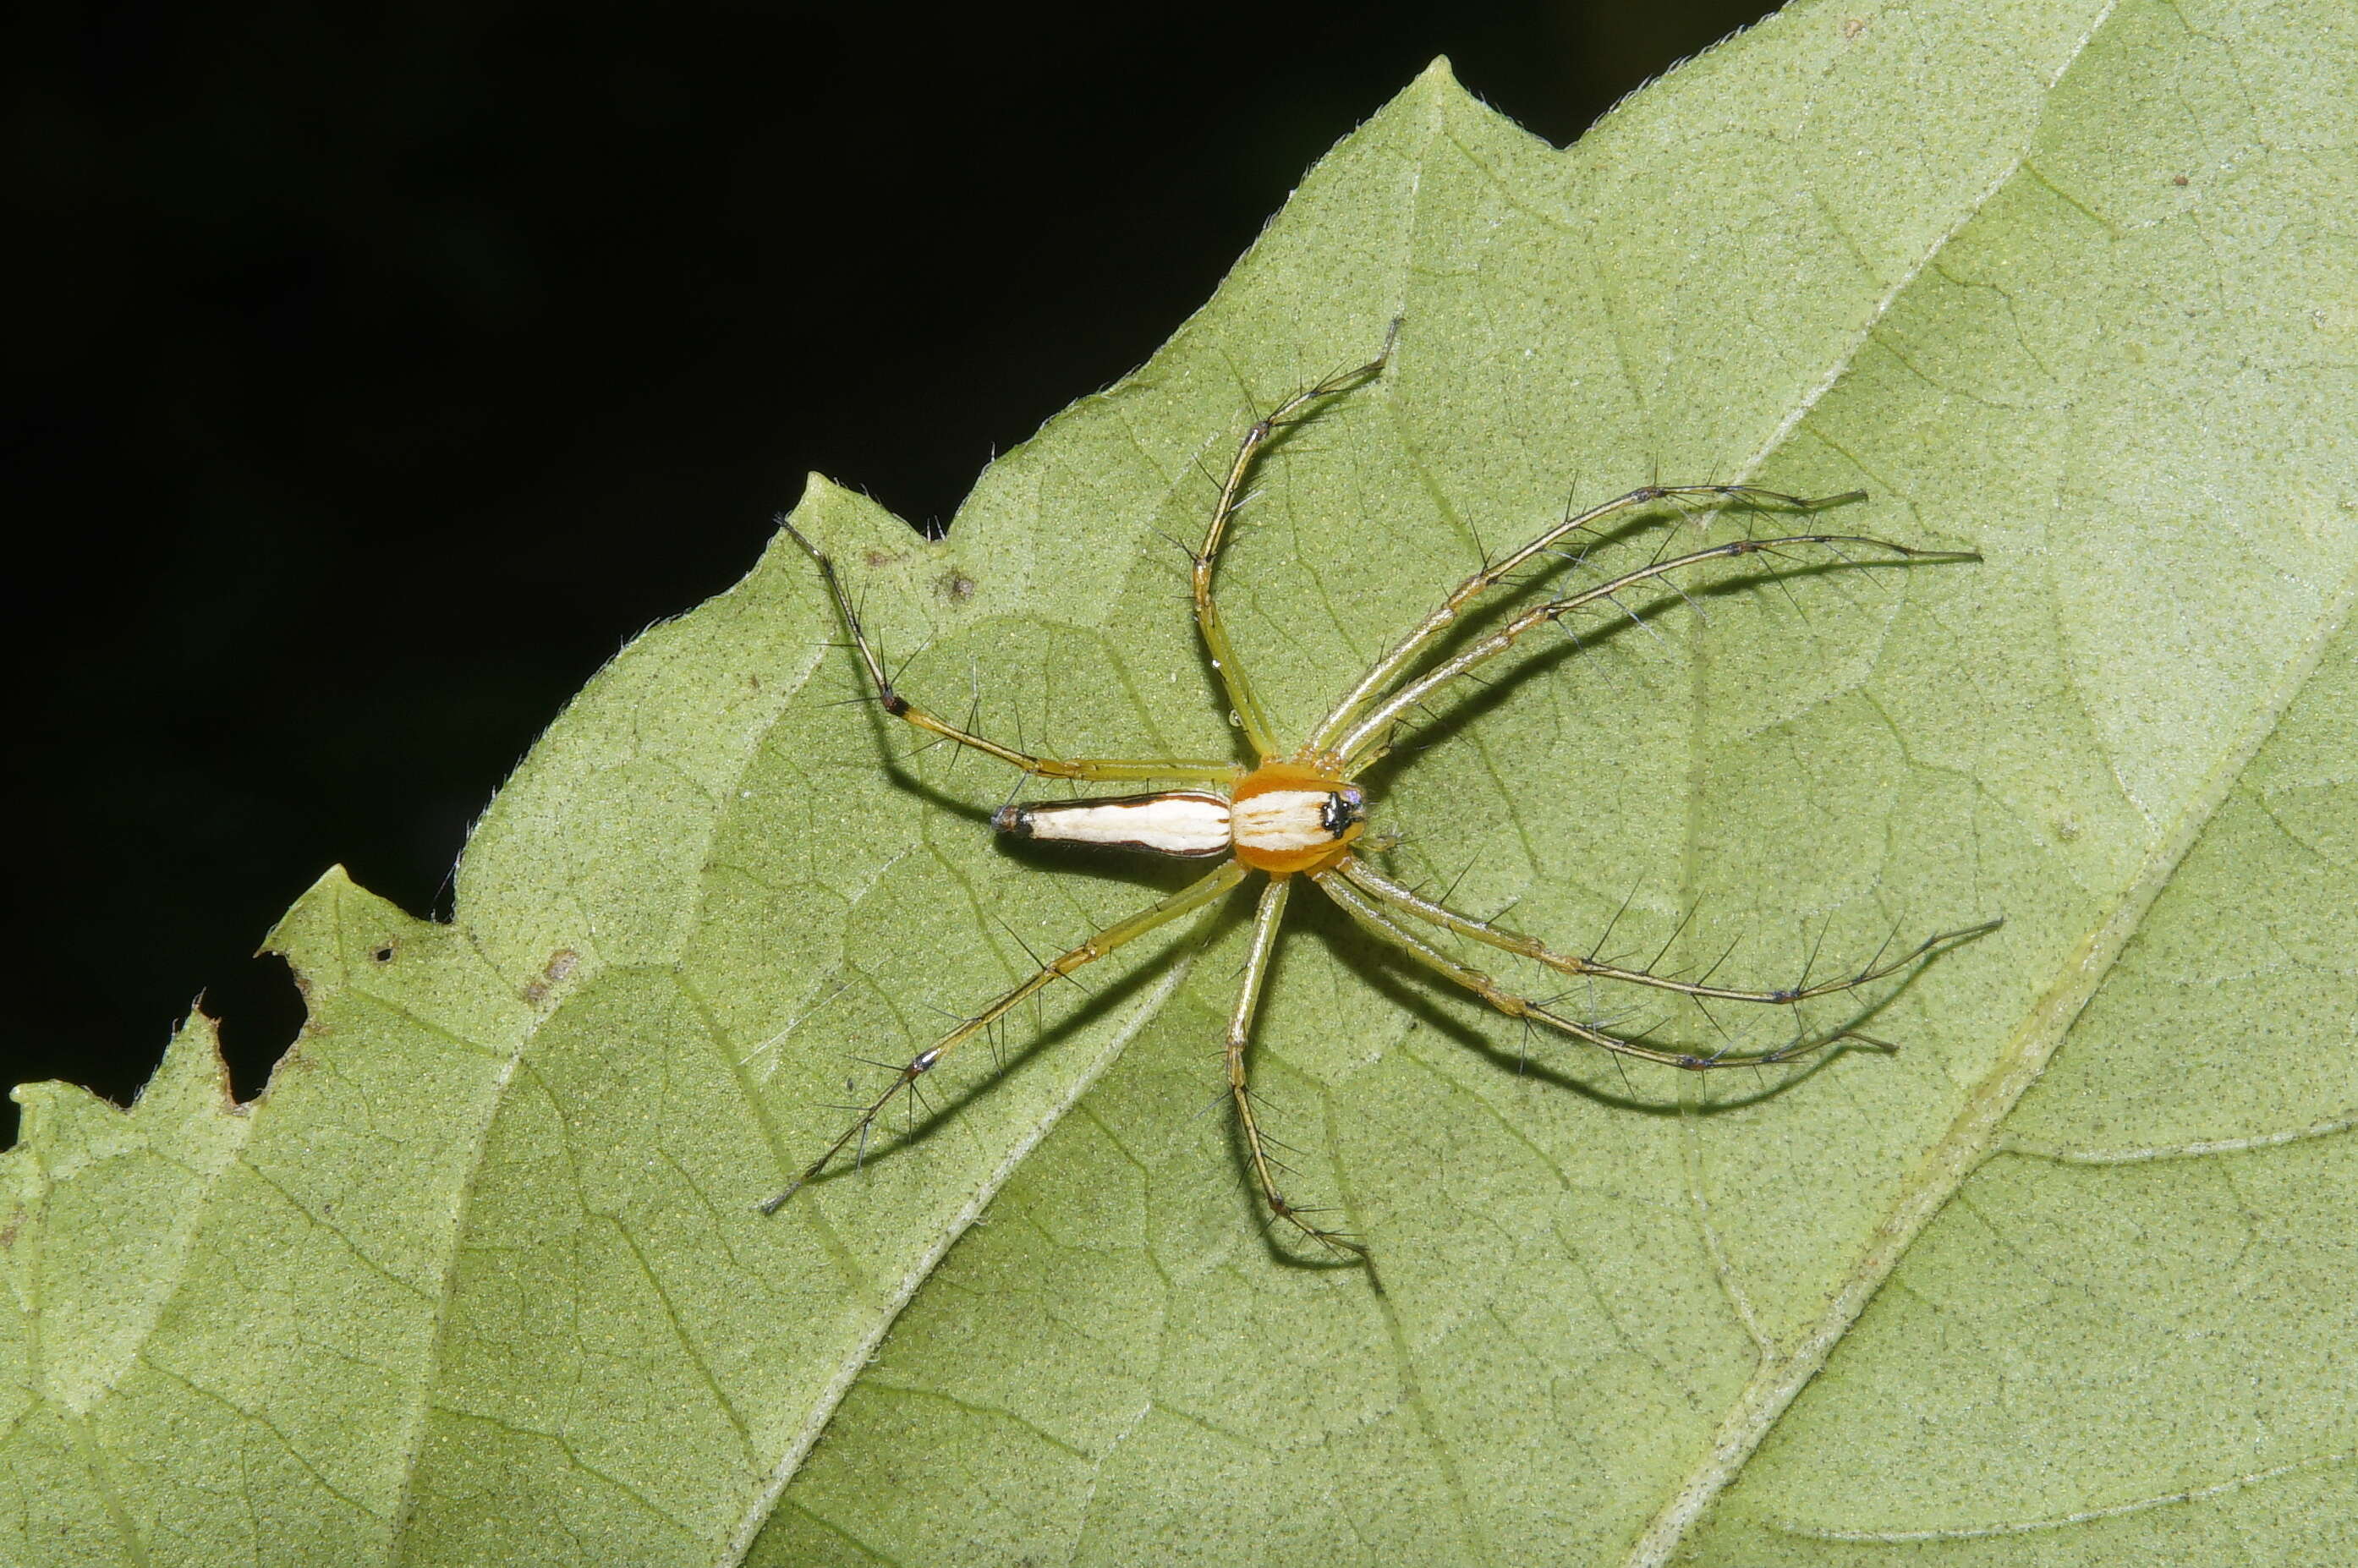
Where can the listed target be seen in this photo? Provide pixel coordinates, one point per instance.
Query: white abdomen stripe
(1183, 822)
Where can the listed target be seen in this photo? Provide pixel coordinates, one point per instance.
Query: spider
(1300, 812)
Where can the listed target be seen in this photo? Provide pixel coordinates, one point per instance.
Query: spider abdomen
(1190, 823)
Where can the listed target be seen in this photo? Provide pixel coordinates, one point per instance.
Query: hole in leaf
(260, 1011)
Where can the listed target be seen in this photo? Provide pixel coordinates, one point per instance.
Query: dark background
(380, 370)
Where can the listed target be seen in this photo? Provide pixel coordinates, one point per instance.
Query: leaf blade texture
(479, 1279)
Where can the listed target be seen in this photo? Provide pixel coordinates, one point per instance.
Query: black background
(380, 370)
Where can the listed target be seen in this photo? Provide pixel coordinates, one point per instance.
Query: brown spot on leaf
(560, 964)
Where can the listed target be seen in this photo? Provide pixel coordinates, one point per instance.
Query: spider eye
(1344, 809)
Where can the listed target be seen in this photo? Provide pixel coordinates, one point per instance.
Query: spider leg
(1259, 732)
(1393, 896)
(1420, 640)
(888, 697)
(1194, 896)
(1372, 919)
(1367, 734)
(1267, 919)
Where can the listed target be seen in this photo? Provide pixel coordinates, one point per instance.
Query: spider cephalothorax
(1299, 814)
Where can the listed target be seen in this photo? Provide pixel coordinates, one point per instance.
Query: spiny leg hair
(1194, 896)
(1259, 732)
(1267, 918)
(1407, 899)
(1371, 917)
(1363, 743)
(890, 698)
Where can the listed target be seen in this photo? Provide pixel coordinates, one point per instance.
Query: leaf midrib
(1974, 1136)
(1778, 1380)
(857, 1357)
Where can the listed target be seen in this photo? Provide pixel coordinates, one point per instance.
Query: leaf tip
(832, 514)
(316, 903)
(817, 490)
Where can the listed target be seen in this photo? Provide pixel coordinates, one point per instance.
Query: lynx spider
(1298, 814)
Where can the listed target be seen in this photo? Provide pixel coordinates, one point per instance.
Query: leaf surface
(479, 1278)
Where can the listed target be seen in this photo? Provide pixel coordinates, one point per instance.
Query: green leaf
(479, 1278)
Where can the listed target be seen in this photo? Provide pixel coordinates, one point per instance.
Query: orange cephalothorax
(1287, 817)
